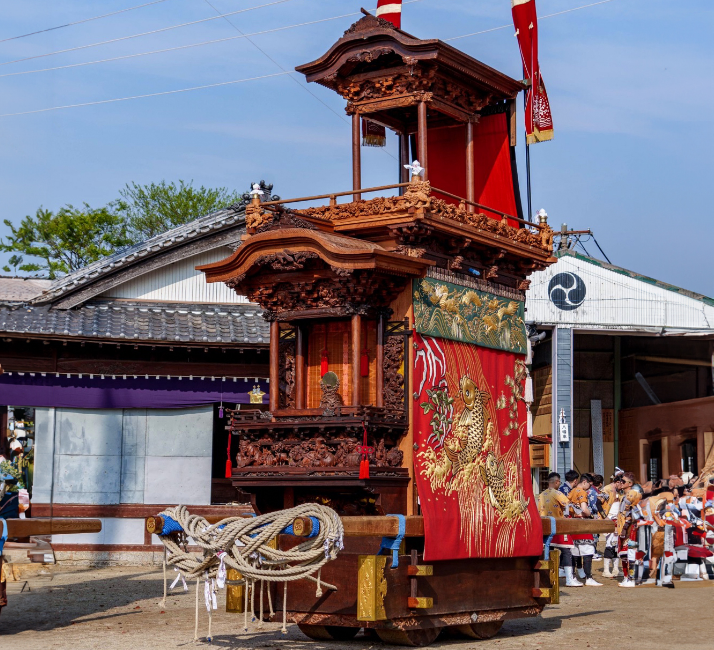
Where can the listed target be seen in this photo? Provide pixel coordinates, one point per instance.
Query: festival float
(391, 468)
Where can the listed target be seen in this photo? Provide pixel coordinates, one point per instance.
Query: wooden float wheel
(329, 632)
(414, 638)
(480, 630)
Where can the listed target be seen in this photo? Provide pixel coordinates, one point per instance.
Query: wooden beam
(403, 160)
(422, 139)
(376, 526)
(274, 365)
(356, 156)
(51, 526)
(676, 362)
(356, 352)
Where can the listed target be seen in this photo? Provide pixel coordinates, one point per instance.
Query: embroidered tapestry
(472, 464)
(458, 313)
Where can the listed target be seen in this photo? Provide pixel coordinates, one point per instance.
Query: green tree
(155, 208)
(14, 262)
(66, 240)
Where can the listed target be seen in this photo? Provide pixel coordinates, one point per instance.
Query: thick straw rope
(242, 543)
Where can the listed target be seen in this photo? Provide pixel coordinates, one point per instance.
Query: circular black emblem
(567, 291)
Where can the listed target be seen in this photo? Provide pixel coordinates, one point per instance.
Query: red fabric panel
(447, 160)
(472, 464)
(493, 177)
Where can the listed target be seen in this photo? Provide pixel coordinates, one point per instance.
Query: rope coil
(243, 543)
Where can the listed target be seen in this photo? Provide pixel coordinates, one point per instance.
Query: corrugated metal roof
(585, 293)
(140, 321)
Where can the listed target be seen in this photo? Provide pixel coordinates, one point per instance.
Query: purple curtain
(118, 393)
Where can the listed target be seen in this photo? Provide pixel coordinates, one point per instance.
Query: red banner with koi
(472, 466)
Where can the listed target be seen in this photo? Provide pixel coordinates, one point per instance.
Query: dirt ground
(118, 609)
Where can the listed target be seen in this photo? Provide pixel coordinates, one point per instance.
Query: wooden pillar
(421, 139)
(403, 160)
(356, 352)
(470, 171)
(380, 361)
(356, 156)
(274, 365)
(299, 367)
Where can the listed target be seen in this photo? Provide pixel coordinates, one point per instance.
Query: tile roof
(208, 224)
(123, 320)
(22, 288)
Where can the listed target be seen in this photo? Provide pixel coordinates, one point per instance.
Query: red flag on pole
(390, 10)
(539, 121)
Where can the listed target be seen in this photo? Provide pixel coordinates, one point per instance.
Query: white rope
(244, 544)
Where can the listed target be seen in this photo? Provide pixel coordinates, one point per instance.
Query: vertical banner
(539, 121)
(472, 464)
(390, 10)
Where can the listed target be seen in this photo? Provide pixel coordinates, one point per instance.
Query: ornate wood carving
(287, 374)
(393, 379)
(286, 260)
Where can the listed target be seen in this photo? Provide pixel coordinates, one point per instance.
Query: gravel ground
(118, 609)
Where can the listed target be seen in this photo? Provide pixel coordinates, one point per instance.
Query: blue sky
(629, 84)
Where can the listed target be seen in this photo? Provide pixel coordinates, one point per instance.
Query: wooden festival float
(397, 357)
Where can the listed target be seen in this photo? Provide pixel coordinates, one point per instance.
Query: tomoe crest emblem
(567, 291)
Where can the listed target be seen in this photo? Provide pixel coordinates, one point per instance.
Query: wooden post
(356, 156)
(356, 352)
(470, 171)
(380, 361)
(274, 365)
(299, 367)
(403, 160)
(423, 156)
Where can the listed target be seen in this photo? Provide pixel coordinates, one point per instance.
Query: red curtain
(472, 466)
(493, 184)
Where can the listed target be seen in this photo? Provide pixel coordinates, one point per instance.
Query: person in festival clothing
(595, 502)
(553, 503)
(626, 531)
(571, 480)
(584, 545)
(611, 506)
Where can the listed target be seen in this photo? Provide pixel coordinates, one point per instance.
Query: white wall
(179, 282)
(107, 457)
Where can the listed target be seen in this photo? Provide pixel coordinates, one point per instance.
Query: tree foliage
(149, 210)
(73, 237)
(66, 240)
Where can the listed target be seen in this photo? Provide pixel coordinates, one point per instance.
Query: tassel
(325, 360)
(324, 363)
(229, 466)
(364, 469)
(373, 134)
(364, 451)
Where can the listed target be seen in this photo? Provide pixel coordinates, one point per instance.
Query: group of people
(657, 526)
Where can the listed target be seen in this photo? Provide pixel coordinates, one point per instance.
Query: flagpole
(528, 158)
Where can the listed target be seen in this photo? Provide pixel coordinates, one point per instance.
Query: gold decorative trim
(371, 588)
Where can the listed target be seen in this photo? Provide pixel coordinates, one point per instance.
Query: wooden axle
(389, 526)
(51, 526)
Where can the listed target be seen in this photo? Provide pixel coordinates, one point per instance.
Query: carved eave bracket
(297, 273)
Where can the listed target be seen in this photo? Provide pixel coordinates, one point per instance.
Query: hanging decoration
(229, 465)
(365, 452)
(373, 134)
(325, 359)
(539, 121)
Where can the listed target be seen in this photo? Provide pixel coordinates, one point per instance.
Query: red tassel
(364, 468)
(324, 363)
(364, 363)
(229, 466)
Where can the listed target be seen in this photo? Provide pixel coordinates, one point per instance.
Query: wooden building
(627, 364)
(123, 367)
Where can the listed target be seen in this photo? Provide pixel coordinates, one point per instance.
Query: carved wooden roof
(301, 272)
(374, 63)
